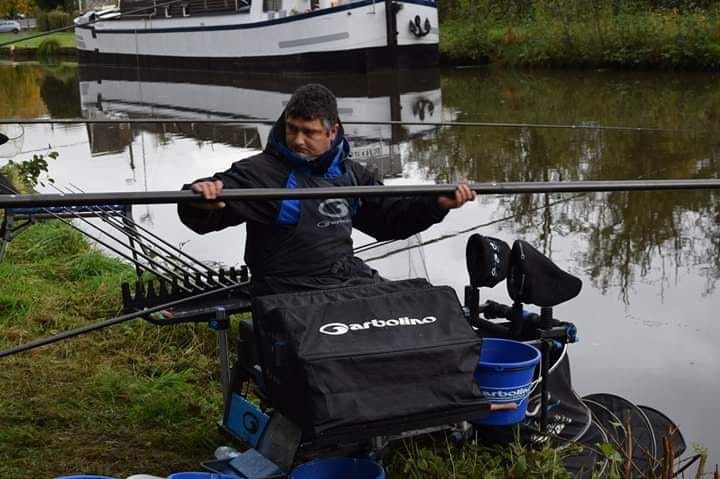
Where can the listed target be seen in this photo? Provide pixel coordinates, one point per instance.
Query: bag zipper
(321, 356)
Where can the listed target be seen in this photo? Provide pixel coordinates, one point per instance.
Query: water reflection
(191, 95)
(625, 232)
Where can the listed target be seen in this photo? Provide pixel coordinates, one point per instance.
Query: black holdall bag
(366, 353)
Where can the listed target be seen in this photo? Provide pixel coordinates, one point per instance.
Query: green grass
(632, 39)
(128, 399)
(436, 458)
(65, 39)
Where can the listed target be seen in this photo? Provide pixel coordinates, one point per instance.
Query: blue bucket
(339, 468)
(504, 374)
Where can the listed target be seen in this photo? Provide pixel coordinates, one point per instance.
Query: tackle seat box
(380, 354)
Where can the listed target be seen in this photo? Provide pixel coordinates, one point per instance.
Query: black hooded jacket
(282, 237)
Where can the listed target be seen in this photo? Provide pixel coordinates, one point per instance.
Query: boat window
(139, 8)
(242, 6)
(210, 7)
(275, 5)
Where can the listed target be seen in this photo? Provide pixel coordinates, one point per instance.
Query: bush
(53, 19)
(48, 51)
(560, 33)
(58, 19)
(41, 18)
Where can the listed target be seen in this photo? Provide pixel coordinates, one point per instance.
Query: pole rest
(153, 292)
(521, 324)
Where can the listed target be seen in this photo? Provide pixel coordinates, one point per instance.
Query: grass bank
(132, 398)
(28, 48)
(628, 39)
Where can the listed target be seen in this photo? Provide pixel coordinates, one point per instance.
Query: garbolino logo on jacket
(338, 210)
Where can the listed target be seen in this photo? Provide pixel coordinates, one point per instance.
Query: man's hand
(463, 194)
(209, 190)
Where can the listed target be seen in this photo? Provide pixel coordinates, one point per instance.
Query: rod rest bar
(562, 331)
(146, 294)
(70, 211)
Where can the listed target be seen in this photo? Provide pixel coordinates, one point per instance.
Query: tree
(10, 8)
(49, 4)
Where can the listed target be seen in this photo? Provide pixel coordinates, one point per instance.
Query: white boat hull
(346, 37)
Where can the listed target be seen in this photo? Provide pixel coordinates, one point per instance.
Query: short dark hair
(313, 101)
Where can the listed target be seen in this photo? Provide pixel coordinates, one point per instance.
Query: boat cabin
(266, 9)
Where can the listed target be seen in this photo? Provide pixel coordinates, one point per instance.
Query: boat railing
(151, 8)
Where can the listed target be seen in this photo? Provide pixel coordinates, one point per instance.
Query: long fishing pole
(111, 322)
(152, 238)
(254, 194)
(232, 120)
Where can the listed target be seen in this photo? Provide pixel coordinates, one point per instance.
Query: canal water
(649, 262)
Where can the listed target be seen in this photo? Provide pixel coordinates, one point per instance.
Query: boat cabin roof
(186, 8)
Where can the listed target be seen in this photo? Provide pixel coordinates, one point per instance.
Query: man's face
(308, 138)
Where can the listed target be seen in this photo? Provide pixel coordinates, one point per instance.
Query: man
(295, 245)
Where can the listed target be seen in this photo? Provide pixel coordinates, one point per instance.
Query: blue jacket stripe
(334, 170)
(289, 213)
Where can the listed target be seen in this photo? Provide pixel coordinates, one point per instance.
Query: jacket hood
(333, 159)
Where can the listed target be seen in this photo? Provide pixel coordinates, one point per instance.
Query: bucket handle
(507, 406)
(514, 405)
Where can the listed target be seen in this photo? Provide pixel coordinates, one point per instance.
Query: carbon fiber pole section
(250, 194)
